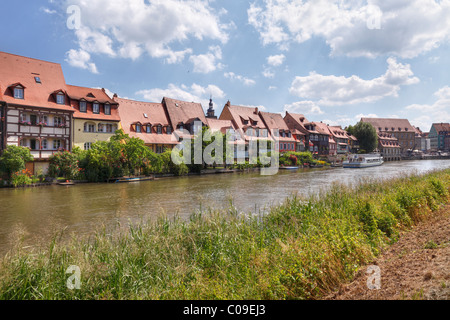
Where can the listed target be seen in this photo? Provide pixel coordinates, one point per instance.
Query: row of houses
(39, 110)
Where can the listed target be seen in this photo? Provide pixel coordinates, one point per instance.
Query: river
(35, 213)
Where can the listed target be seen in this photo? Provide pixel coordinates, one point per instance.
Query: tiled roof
(219, 125)
(338, 132)
(274, 121)
(183, 112)
(241, 113)
(321, 128)
(441, 127)
(88, 94)
(92, 95)
(395, 125)
(132, 112)
(16, 69)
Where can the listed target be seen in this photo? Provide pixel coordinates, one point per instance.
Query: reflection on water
(38, 212)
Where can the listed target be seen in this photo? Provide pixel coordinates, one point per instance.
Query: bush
(21, 179)
(14, 159)
(64, 164)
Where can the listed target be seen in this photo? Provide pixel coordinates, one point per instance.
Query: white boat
(363, 161)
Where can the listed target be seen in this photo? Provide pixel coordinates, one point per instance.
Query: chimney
(115, 95)
(228, 104)
(103, 89)
(256, 110)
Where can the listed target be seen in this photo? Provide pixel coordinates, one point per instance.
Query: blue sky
(333, 61)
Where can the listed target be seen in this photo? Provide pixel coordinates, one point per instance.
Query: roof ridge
(30, 58)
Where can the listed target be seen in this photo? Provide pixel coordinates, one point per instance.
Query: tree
(366, 135)
(14, 159)
(64, 164)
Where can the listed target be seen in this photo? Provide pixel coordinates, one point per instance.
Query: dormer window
(159, 129)
(96, 108)
(169, 130)
(18, 92)
(149, 128)
(107, 109)
(60, 99)
(138, 128)
(83, 106)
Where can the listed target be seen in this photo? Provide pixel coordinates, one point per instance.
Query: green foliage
(64, 164)
(302, 249)
(296, 158)
(366, 135)
(14, 159)
(21, 179)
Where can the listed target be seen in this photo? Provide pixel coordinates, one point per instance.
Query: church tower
(211, 113)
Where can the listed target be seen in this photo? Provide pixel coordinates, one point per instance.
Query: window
(107, 109)
(44, 144)
(37, 79)
(33, 144)
(56, 144)
(181, 127)
(109, 128)
(60, 99)
(100, 127)
(169, 130)
(18, 92)
(33, 119)
(149, 129)
(89, 127)
(138, 128)
(57, 121)
(159, 130)
(45, 120)
(83, 106)
(96, 108)
(87, 146)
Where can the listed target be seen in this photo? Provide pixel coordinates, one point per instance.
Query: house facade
(342, 139)
(296, 123)
(279, 131)
(148, 122)
(321, 139)
(96, 116)
(250, 125)
(35, 108)
(440, 137)
(389, 147)
(400, 129)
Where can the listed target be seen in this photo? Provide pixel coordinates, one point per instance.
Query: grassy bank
(300, 250)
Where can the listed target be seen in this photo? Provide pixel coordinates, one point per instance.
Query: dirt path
(416, 267)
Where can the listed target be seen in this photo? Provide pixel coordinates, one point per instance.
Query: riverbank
(302, 249)
(416, 267)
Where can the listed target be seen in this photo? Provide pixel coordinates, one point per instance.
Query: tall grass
(299, 250)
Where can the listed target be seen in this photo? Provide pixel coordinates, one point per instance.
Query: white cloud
(206, 63)
(194, 93)
(350, 27)
(48, 11)
(334, 91)
(427, 114)
(128, 29)
(244, 80)
(303, 107)
(268, 73)
(81, 59)
(276, 60)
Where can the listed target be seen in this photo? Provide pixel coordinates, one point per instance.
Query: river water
(36, 213)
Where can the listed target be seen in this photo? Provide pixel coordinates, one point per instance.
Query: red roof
(132, 112)
(91, 95)
(390, 125)
(183, 112)
(25, 71)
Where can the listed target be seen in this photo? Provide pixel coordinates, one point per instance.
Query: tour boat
(363, 161)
